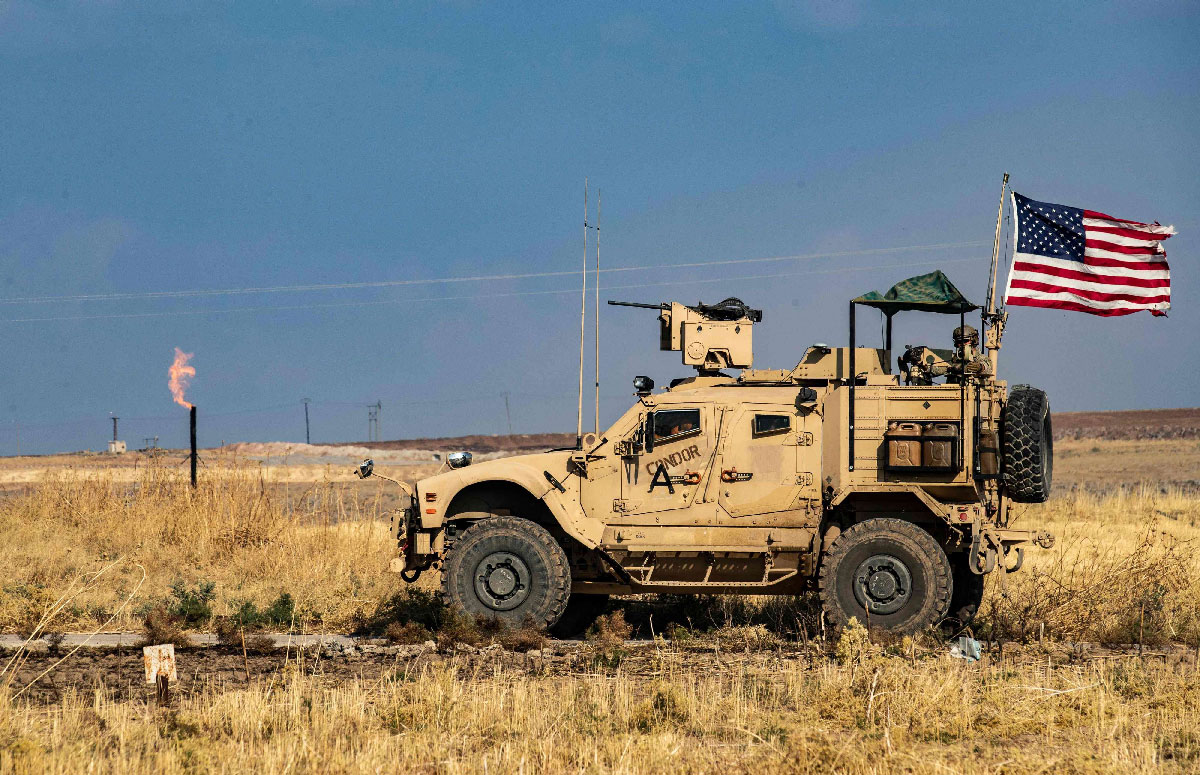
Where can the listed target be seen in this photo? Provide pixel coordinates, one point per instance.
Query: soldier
(967, 358)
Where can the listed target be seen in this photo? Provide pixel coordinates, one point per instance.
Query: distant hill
(518, 442)
(1136, 424)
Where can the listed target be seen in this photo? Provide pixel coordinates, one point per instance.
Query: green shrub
(193, 607)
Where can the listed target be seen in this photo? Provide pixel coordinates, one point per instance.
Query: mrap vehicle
(882, 483)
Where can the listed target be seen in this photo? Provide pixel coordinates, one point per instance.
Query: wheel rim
(502, 581)
(882, 584)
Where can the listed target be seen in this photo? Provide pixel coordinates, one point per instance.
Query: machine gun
(710, 336)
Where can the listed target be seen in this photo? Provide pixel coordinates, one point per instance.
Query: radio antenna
(582, 325)
(596, 312)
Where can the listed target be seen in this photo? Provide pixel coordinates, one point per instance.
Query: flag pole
(994, 323)
(991, 297)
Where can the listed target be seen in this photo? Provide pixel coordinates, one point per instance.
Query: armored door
(765, 461)
(661, 485)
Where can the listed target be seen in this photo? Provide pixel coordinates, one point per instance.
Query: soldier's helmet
(966, 335)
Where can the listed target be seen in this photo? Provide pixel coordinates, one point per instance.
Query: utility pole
(507, 412)
(373, 411)
(192, 429)
(307, 437)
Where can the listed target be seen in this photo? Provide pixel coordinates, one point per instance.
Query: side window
(770, 424)
(674, 423)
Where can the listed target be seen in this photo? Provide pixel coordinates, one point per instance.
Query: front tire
(887, 574)
(508, 568)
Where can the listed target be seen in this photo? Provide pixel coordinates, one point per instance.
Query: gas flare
(181, 375)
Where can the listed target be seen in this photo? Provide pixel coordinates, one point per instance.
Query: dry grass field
(869, 713)
(746, 687)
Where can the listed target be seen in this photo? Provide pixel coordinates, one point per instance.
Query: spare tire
(1028, 445)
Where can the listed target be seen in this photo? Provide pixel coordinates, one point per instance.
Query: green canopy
(931, 292)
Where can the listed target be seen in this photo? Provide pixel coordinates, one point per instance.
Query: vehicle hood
(528, 470)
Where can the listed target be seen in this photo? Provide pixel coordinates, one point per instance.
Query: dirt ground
(207, 668)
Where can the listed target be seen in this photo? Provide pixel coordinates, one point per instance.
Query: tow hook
(981, 560)
(1020, 552)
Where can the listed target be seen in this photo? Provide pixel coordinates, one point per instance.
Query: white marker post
(160, 669)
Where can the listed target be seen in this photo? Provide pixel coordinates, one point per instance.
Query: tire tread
(942, 582)
(1026, 420)
(559, 572)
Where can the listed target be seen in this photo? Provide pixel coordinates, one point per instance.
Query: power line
(468, 279)
(88, 421)
(509, 294)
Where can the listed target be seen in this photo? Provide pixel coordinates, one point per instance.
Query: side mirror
(365, 468)
(806, 399)
(648, 433)
(458, 459)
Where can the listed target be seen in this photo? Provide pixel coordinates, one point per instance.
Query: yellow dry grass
(325, 544)
(1124, 553)
(883, 714)
(1126, 566)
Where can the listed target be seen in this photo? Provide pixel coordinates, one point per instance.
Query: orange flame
(181, 375)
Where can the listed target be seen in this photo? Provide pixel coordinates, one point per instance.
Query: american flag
(1082, 260)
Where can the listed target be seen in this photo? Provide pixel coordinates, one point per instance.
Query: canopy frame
(952, 301)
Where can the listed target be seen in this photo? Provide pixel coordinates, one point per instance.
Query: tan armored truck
(882, 482)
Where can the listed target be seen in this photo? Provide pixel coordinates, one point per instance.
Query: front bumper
(402, 527)
(415, 543)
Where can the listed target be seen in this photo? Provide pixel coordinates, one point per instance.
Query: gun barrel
(638, 304)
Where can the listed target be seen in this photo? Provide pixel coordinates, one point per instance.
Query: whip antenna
(582, 325)
(596, 312)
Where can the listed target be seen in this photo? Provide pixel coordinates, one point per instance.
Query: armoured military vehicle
(881, 479)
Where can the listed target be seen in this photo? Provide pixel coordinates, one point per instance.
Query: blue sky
(169, 146)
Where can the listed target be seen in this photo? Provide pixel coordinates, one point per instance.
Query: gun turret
(710, 336)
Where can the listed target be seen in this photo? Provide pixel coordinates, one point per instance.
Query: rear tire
(581, 611)
(508, 568)
(894, 567)
(1028, 445)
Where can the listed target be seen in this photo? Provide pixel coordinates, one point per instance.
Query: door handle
(732, 475)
